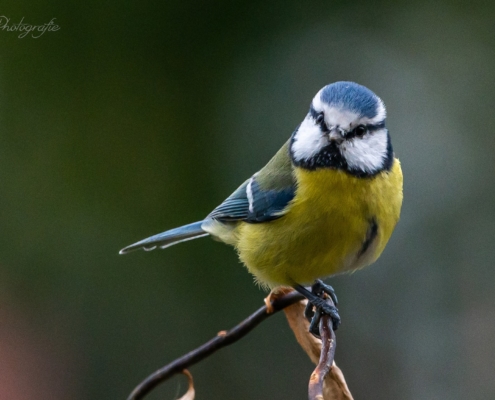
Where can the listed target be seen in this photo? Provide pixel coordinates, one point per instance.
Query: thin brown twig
(334, 386)
(221, 340)
(328, 344)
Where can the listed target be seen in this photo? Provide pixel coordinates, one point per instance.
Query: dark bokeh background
(136, 117)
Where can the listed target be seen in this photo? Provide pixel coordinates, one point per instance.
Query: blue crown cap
(351, 96)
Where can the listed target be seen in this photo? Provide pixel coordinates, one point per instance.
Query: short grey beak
(336, 135)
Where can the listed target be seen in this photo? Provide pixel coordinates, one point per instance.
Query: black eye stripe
(375, 127)
(360, 130)
(368, 128)
(313, 112)
(316, 115)
(319, 118)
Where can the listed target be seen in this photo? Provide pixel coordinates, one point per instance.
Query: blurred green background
(136, 117)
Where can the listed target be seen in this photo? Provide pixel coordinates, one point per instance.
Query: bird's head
(344, 129)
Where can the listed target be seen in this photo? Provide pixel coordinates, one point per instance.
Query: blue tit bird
(325, 204)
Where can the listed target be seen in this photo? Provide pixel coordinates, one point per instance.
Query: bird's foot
(317, 305)
(320, 306)
(320, 288)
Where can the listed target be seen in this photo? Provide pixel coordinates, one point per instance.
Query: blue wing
(250, 203)
(234, 208)
(264, 197)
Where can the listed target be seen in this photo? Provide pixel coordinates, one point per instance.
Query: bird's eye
(320, 118)
(360, 130)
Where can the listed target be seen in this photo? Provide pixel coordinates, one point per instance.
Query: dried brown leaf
(190, 394)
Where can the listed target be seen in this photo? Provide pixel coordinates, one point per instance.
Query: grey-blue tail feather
(168, 238)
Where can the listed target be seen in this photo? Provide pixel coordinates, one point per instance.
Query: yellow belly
(324, 230)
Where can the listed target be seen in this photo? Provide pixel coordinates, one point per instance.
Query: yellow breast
(326, 229)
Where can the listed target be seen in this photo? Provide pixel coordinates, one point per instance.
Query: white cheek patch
(308, 140)
(368, 153)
